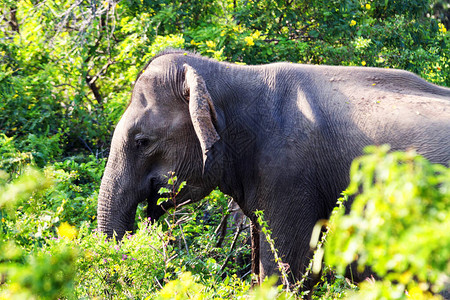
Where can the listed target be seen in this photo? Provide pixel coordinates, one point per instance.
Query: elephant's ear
(202, 110)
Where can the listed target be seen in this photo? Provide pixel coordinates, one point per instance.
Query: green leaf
(162, 200)
(164, 190)
(314, 33)
(182, 185)
(172, 180)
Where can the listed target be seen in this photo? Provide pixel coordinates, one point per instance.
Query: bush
(36, 237)
(30, 274)
(66, 75)
(398, 224)
(132, 268)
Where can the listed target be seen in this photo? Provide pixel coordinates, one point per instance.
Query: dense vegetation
(66, 73)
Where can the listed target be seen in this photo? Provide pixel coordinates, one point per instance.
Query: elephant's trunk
(105, 210)
(115, 212)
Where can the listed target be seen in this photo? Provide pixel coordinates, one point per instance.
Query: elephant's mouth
(155, 211)
(172, 196)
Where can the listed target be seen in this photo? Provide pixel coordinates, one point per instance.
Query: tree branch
(91, 84)
(102, 71)
(13, 20)
(91, 81)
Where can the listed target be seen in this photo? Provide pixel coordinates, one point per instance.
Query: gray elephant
(278, 138)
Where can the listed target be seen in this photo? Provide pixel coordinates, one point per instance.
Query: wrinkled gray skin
(278, 138)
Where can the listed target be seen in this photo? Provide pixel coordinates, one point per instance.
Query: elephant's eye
(142, 142)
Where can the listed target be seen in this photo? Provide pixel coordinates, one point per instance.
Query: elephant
(279, 138)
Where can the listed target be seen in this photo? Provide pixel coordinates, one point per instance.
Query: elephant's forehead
(155, 96)
(139, 119)
(136, 116)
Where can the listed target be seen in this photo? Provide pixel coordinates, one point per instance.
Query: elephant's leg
(292, 242)
(267, 264)
(255, 235)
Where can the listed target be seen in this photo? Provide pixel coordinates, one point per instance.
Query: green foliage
(333, 286)
(49, 276)
(171, 192)
(31, 274)
(204, 247)
(77, 181)
(134, 266)
(13, 162)
(71, 198)
(66, 74)
(185, 287)
(398, 225)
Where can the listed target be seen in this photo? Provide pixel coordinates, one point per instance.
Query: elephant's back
(389, 80)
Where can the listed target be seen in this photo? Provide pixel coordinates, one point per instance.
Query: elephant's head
(169, 126)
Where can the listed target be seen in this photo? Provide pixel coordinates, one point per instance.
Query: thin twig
(157, 281)
(160, 253)
(223, 224)
(233, 244)
(86, 145)
(102, 71)
(184, 239)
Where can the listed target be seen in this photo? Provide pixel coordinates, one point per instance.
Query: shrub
(30, 274)
(398, 224)
(134, 267)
